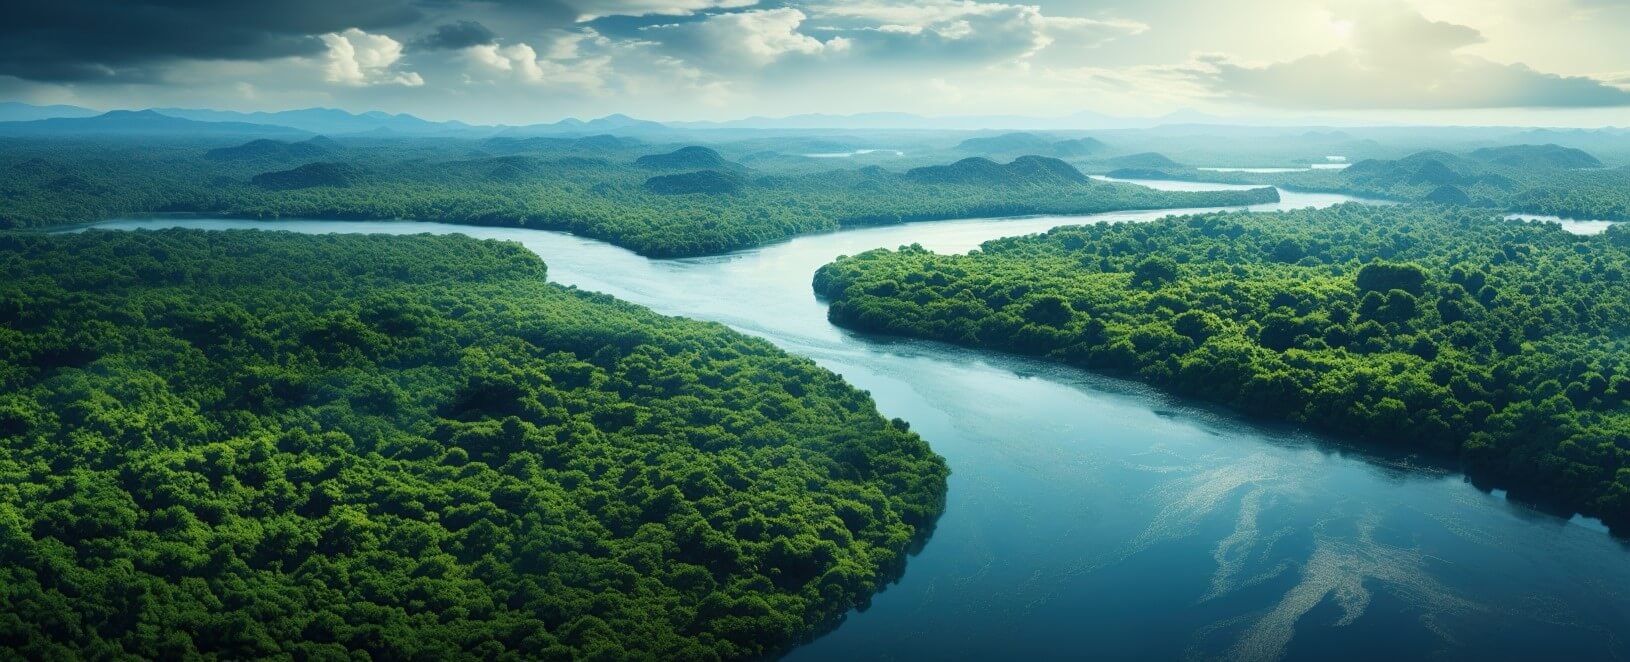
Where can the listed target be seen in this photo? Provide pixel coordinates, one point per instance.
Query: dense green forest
(1533, 179)
(1428, 328)
(265, 445)
(1536, 179)
(635, 195)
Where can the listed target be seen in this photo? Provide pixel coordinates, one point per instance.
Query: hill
(1150, 173)
(1526, 178)
(616, 123)
(12, 111)
(1429, 168)
(1448, 195)
(1143, 160)
(1078, 147)
(979, 170)
(1537, 156)
(138, 122)
(335, 121)
(711, 182)
(310, 175)
(278, 150)
(1030, 143)
(686, 158)
(594, 194)
(595, 144)
(1007, 142)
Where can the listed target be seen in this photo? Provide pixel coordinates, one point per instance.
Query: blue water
(1091, 518)
(1573, 225)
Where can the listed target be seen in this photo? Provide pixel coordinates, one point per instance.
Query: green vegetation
(1438, 176)
(710, 182)
(1146, 160)
(1534, 179)
(274, 150)
(259, 445)
(310, 175)
(1537, 156)
(614, 189)
(686, 158)
(1025, 170)
(1432, 329)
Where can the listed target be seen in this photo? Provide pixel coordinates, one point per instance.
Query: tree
(1384, 277)
(1154, 271)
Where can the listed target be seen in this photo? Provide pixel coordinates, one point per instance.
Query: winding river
(1092, 518)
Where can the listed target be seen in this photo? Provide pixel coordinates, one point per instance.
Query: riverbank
(1090, 514)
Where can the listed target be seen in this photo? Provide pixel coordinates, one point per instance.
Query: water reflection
(1091, 517)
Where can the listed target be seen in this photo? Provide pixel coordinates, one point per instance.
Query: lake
(1575, 226)
(858, 152)
(1089, 517)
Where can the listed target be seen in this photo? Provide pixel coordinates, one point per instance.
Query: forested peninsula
(684, 202)
(1434, 329)
(266, 445)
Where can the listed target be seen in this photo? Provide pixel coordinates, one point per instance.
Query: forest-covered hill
(689, 201)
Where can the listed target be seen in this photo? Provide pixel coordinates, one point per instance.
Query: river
(1092, 518)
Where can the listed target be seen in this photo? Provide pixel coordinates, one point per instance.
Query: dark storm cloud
(511, 13)
(80, 40)
(452, 36)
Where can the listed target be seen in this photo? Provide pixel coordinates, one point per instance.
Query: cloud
(578, 59)
(600, 8)
(519, 58)
(953, 31)
(124, 41)
(133, 40)
(453, 36)
(932, 34)
(1395, 58)
(742, 39)
(357, 58)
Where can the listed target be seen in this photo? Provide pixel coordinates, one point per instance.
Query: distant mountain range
(333, 121)
(12, 111)
(26, 119)
(1081, 120)
(139, 122)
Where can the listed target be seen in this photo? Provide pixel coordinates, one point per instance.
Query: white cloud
(358, 58)
(951, 31)
(743, 39)
(1090, 31)
(1394, 58)
(581, 59)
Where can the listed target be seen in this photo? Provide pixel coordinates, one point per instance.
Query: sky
(1528, 62)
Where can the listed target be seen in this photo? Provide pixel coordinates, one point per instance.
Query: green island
(264, 445)
(656, 200)
(1434, 329)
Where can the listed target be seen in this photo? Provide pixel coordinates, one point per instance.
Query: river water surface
(1090, 518)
